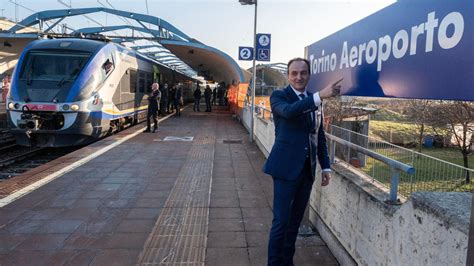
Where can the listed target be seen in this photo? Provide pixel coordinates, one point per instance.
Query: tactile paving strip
(180, 233)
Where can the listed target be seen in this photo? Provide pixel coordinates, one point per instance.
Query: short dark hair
(298, 59)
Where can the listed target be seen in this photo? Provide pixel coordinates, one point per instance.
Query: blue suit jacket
(292, 136)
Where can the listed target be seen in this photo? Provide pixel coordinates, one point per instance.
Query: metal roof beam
(36, 18)
(54, 25)
(93, 30)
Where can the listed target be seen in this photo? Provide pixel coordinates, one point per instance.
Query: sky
(224, 24)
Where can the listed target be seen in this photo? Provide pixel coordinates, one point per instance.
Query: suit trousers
(148, 122)
(290, 199)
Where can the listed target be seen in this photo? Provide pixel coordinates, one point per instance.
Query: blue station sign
(245, 53)
(410, 49)
(263, 46)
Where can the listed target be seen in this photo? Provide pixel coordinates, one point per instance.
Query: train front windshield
(53, 66)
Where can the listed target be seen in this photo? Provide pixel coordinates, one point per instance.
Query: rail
(396, 167)
(432, 174)
(264, 113)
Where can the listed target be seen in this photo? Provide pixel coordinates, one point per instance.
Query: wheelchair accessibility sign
(263, 55)
(263, 46)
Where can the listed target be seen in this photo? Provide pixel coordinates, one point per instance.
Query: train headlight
(65, 107)
(17, 106)
(11, 106)
(74, 107)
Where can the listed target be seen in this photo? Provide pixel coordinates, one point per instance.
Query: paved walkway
(155, 198)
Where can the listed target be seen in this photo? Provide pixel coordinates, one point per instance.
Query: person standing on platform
(197, 99)
(153, 107)
(207, 97)
(5, 87)
(220, 93)
(214, 96)
(178, 93)
(299, 142)
(164, 99)
(171, 98)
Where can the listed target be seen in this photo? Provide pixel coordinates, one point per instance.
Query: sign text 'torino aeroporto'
(448, 32)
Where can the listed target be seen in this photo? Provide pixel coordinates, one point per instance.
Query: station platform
(193, 193)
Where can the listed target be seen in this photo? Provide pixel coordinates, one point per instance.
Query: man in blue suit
(299, 143)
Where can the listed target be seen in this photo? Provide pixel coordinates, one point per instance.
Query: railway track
(16, 159)
(6, 138)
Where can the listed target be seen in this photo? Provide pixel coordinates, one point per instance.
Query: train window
(141, 85)
(53, 66)
(141, 82)
(149, 81)
(133, 81)
(108, 66)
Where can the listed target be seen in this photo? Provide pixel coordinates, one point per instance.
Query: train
(72, 91)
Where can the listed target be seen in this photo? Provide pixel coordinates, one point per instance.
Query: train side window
(133, 81)
(108, 66)
(149, 81)
(141, 82)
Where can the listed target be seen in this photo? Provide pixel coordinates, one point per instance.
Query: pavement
(193, 193)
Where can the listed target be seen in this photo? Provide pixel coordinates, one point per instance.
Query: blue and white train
(67, 92)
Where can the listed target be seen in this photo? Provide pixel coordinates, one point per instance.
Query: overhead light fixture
(7, 44)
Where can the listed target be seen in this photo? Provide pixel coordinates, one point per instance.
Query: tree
(420, 112)
(338, 108)
(459, 118)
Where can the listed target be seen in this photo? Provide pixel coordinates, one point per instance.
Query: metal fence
(264, 113)
(431, 174)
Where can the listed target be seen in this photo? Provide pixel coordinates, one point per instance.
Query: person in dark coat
(300, 143)
(177, 99)
(207, 97)
(220, 93)
(164, 100)
(171, 97)
(153, 107)
(214, 96)
(197, 99)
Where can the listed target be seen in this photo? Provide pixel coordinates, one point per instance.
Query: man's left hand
(326, 176)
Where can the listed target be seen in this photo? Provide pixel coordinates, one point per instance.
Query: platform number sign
(263, 46)
(245, 53)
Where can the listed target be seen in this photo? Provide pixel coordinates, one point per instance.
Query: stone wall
(430, 228)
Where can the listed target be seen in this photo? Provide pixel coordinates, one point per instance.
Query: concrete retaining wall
(431, 228)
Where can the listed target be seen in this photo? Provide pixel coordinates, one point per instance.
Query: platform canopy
(273, 75)
(151, 36)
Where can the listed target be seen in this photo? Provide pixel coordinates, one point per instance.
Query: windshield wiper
(69, 77)
(60, 83)
(28, 77)
(30, 72)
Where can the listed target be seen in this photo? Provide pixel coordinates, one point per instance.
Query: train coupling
(29, 122)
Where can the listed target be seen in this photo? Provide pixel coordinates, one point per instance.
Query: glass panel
(53, 66)
(133, 81)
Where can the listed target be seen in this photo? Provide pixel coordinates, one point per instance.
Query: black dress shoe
(146, 131)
